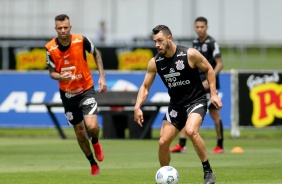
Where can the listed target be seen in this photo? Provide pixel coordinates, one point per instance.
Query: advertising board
(260, 98)
(18, 88)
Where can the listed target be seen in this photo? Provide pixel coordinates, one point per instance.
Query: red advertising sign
(260, 99)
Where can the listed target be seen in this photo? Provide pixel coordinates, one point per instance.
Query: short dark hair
(162, 28)
(201, 19)
(61, 17)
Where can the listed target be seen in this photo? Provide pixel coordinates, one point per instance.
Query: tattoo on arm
(98, 60)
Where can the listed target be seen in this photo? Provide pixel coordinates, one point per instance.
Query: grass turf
(251, 58)
(28, 157)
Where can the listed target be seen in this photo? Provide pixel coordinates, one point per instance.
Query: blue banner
(18, 88)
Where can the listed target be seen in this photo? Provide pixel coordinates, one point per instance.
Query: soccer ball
(167, 175)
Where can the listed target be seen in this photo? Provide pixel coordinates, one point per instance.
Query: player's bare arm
(102, 85)
(144, 91)
(219, 65)
(217, 69)
(196, 59)
(64, 76)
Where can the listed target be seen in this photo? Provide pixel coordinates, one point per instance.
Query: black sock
(182, 142)
(91, 159)
(220, 141)
(94, 140)
(206, 166)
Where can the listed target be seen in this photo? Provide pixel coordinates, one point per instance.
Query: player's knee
(191, 133)
(80, 133)
(93, 128)
(163, 143)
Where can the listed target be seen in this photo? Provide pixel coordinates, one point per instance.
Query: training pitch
(46, 159)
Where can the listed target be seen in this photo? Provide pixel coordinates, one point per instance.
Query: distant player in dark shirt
(209, 48)
(178, 68)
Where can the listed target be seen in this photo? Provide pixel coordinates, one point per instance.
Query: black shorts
(80, 105)
(178, 116)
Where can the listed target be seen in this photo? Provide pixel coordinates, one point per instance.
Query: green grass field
(252, 58)
(33, 156)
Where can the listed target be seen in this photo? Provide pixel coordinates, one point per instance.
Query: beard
(166, 48)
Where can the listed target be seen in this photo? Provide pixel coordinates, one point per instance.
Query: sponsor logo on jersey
(181, 54)
(172, 75)
(171, 70)
(172, 81)
(53, 48)
(76, 40)
(68, 68)
(159, 59)
(178, 83)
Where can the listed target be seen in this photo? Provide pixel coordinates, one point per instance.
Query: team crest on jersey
(179, 65)
(204, 48)
(173, 113)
